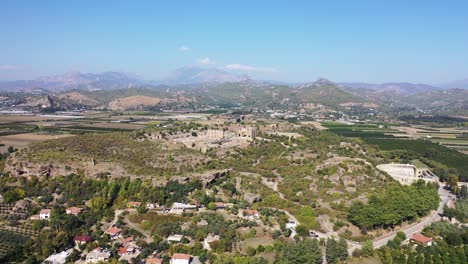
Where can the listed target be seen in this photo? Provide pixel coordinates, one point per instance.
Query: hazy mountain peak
(194, 74)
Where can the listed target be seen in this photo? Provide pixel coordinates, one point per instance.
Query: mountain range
(189, 76)
(195, 88)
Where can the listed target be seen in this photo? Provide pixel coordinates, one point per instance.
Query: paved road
(409, 230)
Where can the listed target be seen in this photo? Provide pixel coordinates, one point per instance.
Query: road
(409, 230)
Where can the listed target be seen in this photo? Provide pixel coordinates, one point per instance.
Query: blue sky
(371, 41)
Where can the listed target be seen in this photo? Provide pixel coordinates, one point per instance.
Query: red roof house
(80, 240)
(421, 240)
(114, 232)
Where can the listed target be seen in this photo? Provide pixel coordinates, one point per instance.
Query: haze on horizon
(369, 41)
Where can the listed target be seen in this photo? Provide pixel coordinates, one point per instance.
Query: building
(133, 204)
(182, 207)
(175, 238)
(247, 132)
(421, 240)
(98, 255)
(208, 240)
(81, 240)
(179, 258)
(73, 210)
(44, 214)
(126, 251)
(152, 205)
(113, 232)
(251, 214)
(153, 260)
(407, 173)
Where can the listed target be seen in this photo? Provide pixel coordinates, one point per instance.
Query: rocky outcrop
(252, 198)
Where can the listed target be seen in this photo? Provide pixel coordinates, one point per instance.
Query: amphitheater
(407, 173)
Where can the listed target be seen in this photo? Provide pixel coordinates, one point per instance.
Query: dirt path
(148, 237)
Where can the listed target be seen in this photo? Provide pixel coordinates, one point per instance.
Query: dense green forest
(397, 204)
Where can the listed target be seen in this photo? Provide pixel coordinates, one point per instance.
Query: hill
(116, 154)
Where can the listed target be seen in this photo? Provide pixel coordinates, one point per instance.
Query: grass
(150, 221)
(140, 158)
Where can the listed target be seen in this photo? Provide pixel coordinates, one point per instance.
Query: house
(73, 210)
(208, 240)
(113, 232)
(182, 207)
(81, 240)
(152, 260)
(133, 204)
(251, 214)
(175, 238)
(44, 214)
(421, 240)
(126, 251)
(98, 255)
(179, 258)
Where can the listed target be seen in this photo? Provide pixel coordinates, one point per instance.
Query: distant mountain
(461, 84)
(396, 87)
(198, 75)
(73, 80)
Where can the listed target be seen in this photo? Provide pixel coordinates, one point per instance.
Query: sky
(367, 41)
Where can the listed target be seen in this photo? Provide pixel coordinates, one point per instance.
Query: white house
(181, 207)
(44, 214)
(175, 238)
(98, 255)
(179, 258)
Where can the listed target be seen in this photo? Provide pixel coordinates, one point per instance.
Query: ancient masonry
(407, 173)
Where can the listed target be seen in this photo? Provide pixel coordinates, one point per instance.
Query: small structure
(113, 232)
(98, 255)
(74, 210)
(291, 224)
(179, 258)
(182, 207)
(421, 240)
(175, 238)
(125, 251)
(208, 240)
(81, 240)
(153, 260)
(44, 214)
(220, 206)
(152, 205)
(133, 204)
(251, 214)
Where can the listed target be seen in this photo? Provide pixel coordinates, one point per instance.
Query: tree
(302, 231)
(336, 250)
(367, 248)
(306, 251)
(142, 209)
(211, 206)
